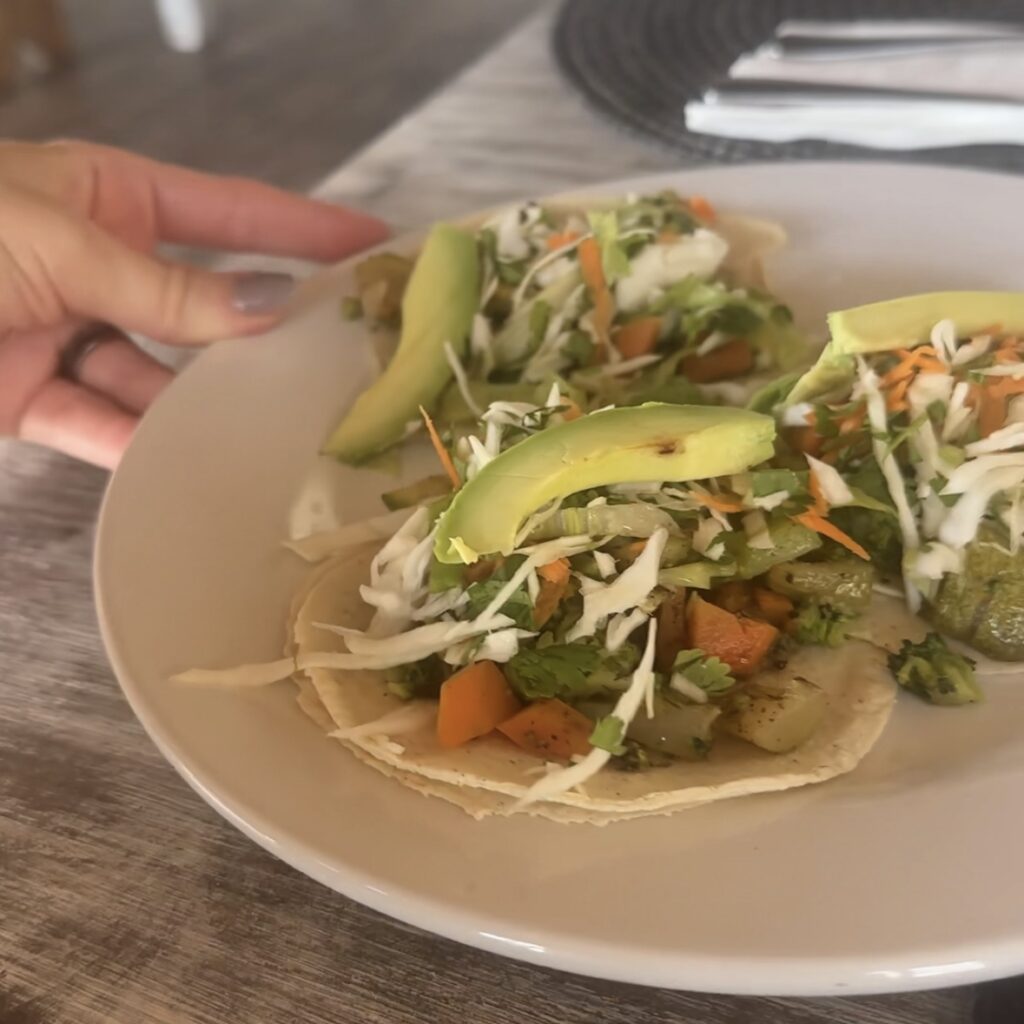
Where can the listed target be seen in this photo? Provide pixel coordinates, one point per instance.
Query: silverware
(770, 91)
(811, 47)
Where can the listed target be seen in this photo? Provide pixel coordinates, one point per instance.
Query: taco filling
(611, 614)
(657, 298)
(914, 420)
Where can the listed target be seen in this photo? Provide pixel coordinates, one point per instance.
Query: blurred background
(283, 91)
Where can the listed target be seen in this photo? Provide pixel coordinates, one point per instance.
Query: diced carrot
(817, 522)
(741, 643)
(549, 729)
(776, 608)
(560, 239)
(442, 452)
(703, 209)
(991, 405)
(805, 440)
(1007, 386)
(571, 411)
(717, 502)
(638, 337)
(734, 596)
(593, 276)
(556, 571)
(483, 569)
(474, 702)
(671, 636)
(633, 550)
(548, 599)
(732, 359)
(667, 236)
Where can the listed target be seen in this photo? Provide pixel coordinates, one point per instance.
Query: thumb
(106, 280)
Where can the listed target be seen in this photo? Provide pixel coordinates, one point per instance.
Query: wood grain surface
(124, 898)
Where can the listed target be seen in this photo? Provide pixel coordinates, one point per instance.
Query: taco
(914, 416)
(617, 614)
(656, 298)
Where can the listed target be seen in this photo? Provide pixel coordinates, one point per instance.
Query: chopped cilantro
(711, 674)
(770, 481)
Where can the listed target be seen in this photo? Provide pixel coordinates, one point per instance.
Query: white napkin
(992, 72)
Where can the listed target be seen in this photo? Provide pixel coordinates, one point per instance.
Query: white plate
(903, 875)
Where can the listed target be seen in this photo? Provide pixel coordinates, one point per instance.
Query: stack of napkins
(888, 84)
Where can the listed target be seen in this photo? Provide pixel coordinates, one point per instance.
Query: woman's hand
(78, 227)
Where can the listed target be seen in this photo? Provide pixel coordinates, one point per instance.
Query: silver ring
(83, 343)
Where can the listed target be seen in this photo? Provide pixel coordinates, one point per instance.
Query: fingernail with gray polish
(262, 292)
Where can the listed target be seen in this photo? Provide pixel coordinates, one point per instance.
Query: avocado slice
(438, 307)
(901, 323)
(648, 442)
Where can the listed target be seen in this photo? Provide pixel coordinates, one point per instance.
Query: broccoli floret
(820, 624)
(934, 673)
(638, 758)
(417, 679)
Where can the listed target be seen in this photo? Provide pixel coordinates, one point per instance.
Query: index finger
(210, 211)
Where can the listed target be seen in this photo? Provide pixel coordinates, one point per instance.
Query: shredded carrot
(560, 239)
(703, 209)
(817, 522)
(923, 359)
(556, 571)
(854, 421)
(717, 502)
(593, 276)
(896, 399)
(442, 452)
(814, 485)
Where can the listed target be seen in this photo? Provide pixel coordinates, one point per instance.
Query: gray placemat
(639, 61)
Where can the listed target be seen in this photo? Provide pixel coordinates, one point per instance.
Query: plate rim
(597, 959)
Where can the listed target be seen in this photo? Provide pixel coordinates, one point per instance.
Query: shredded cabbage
(626, 591)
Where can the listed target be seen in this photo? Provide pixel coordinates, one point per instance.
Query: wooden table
(123, 898)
